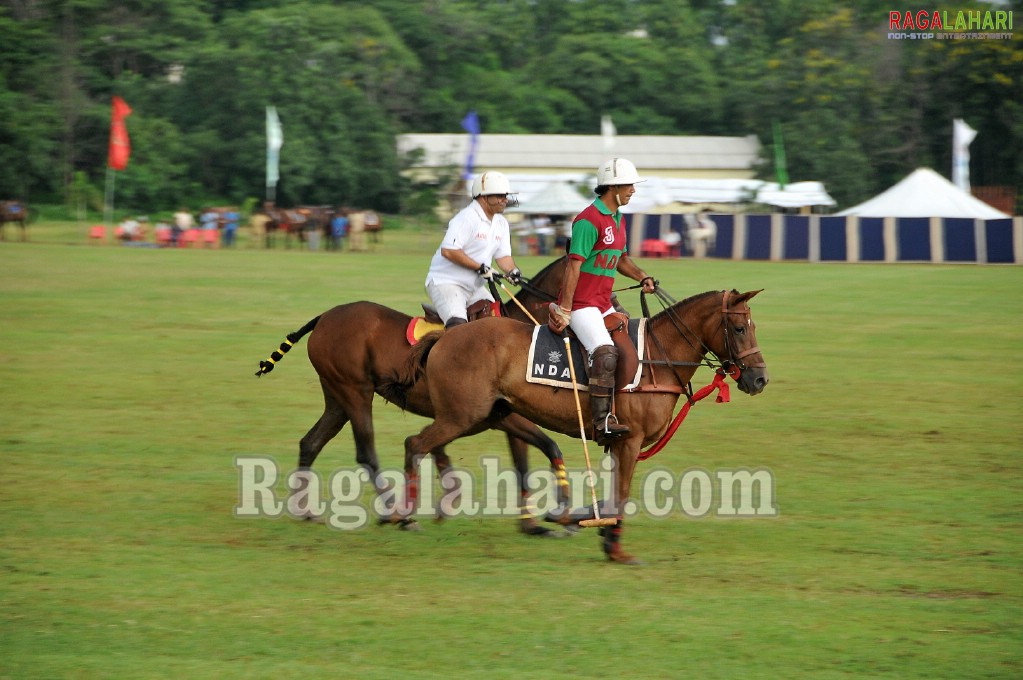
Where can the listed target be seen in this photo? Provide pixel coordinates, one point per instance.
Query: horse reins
(526, 285)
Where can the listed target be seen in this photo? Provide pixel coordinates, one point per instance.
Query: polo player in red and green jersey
(598, 250)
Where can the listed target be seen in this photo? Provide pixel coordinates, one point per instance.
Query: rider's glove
(486, 272)
(514, 277)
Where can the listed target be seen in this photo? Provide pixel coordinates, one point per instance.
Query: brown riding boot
(602, 384)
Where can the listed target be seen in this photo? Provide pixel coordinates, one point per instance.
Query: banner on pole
(274, 142)
(962, 136)
(120, 146)
(780, 169)
(471, 124)
(608, 132)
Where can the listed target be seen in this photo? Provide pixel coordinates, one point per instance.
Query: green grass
(891, 426)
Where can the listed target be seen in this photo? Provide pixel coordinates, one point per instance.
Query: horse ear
(747, 296)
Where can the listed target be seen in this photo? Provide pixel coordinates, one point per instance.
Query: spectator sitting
(129, 230)
(183, 221)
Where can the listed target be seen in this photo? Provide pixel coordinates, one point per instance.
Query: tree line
(856, 110)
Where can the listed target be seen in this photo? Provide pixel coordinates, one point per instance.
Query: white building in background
(686, 173)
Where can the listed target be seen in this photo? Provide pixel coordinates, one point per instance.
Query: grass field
(891, 428)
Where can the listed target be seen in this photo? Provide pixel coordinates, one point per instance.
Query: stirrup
(606, 433)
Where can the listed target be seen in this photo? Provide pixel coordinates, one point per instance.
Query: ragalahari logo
(950, 25)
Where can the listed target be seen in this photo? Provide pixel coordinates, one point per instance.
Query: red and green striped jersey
(598, 239)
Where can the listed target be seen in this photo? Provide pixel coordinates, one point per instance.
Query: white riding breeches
(452, 300)
(588, 325)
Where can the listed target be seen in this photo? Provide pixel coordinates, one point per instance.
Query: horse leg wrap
(561, 475)
(411, 496)
(612, 536)
(602, 384)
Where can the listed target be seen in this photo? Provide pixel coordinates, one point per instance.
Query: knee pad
(602, 368)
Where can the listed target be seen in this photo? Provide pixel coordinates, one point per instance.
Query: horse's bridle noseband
(736, 357)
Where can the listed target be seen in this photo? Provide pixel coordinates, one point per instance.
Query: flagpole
(108, 200)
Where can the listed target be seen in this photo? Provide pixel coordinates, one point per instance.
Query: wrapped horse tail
(278, 354)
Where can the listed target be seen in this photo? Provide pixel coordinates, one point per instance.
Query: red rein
(718, 384)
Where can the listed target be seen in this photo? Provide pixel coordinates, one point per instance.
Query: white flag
(962, 135)
(274, 141)
(608, 132)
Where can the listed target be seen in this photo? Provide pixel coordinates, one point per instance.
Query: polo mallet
(596, 521)
(521, 306)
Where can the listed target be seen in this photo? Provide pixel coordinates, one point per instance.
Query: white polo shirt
(481, 239)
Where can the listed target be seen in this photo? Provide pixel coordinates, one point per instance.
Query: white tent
(925, 193)
(556, 198)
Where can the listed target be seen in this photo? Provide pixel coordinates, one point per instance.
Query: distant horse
(468, 396)
(14, 211)
(297, 222)
(360, 346)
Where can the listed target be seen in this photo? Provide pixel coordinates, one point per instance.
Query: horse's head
(735, 341)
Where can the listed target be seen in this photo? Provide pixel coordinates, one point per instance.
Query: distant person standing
(339, 229)
(257, 223)
(700, 237)
(357, 231)
(231, 219)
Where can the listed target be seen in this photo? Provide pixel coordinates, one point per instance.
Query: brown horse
(297, 222)
(360, 346)
(470, 395)
(14, 211)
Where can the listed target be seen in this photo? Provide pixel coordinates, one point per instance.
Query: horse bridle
(730, 339)
(732, 366)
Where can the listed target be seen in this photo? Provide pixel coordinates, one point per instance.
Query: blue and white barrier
(824, 238)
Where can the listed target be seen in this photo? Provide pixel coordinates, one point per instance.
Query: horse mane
(534, 286)
(546, 270)
(395, 389)
(693, 299)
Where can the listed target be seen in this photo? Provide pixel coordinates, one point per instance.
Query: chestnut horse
(471, 395)
(360, 346)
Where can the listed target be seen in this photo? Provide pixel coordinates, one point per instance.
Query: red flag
(120, 146)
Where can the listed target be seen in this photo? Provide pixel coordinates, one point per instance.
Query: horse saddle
(431, 321)
(477, 310)
(548, 363)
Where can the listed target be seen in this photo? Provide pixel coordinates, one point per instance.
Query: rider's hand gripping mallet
(596, 521)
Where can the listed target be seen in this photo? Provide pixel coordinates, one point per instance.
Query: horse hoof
(621, 557)
(409, 525)
(531, 528)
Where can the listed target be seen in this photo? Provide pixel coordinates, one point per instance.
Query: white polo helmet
(617, 171)
(490, 183)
